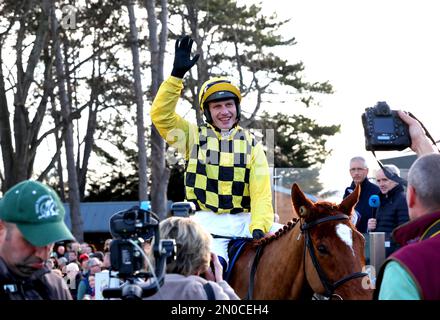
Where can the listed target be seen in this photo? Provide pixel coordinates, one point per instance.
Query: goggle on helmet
(218, 88)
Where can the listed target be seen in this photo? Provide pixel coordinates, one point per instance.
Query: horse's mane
(320, 209)
(282, 231)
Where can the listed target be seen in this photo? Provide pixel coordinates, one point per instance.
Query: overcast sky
(369, 51)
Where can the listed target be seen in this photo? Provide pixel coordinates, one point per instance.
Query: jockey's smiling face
(223, 113)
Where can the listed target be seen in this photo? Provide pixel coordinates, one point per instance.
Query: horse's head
(335, 258)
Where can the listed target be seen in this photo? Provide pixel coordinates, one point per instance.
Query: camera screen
(383, 125)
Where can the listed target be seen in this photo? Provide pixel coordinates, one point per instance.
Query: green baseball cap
(37, 211)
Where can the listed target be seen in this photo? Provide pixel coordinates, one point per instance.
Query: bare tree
(66, 111)
(142, 154)
(202, 65)
(159, 172)
(19, 150)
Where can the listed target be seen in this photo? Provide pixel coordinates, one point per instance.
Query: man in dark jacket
(31, 221)
(393, 210)
(359, 173)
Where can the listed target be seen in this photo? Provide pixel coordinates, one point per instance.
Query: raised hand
(420, 142)
(182, 57)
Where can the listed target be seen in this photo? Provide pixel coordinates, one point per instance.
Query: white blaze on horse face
(345, 233)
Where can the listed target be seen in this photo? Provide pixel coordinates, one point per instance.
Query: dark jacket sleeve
(56, 286)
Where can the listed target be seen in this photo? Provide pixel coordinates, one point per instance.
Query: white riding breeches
(229, 225)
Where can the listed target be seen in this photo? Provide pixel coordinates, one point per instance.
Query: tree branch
(54, 158)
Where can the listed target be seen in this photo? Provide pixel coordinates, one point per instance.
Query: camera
(183, 209)
(132, 224)
(130, 230)
(384, 130)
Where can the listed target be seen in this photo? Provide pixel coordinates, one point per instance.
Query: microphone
(374, 203)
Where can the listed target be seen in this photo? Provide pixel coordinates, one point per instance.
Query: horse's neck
(283, 263)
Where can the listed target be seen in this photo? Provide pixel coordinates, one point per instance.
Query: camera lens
(130, 216)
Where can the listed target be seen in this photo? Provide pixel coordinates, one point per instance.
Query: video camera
(130, 230)
(384, 130)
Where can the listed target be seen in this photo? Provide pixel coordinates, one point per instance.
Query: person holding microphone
(393, 210)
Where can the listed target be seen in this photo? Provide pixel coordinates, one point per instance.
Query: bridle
(328, 285)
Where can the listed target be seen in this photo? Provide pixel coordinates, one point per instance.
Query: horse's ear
(300, 202)
(347, 205)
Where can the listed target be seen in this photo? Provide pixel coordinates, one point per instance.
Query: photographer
(183, 280)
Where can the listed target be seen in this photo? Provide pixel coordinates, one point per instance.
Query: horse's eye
(322, 249)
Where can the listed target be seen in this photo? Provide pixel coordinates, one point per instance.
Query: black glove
(182, 60)
(257, 234)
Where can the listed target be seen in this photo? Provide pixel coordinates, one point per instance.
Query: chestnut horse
(319, 254)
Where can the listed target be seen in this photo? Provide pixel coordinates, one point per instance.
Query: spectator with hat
(83, 259)
(31, 221)
(93, 266)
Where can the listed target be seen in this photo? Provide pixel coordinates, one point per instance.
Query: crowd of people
(40, 259)
(227, 178)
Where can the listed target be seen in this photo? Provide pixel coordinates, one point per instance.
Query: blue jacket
(366, 212)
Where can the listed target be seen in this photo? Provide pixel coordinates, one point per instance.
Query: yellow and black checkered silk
(217, 173)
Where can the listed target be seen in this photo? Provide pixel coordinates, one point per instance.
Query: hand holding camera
(182, 59)
(215, 270)
(384, 129)
(387, 129)
(420, 143)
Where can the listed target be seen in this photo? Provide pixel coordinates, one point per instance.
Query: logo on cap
(45, 207)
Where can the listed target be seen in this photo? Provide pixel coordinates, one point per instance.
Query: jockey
(227, 173)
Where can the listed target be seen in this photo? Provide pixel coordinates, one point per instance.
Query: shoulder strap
(209, 291)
